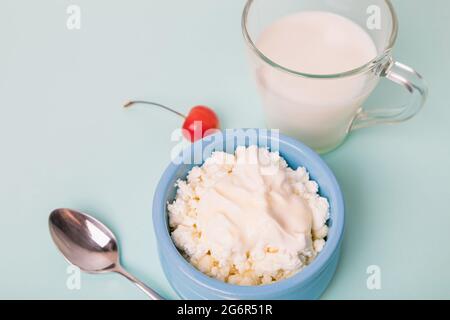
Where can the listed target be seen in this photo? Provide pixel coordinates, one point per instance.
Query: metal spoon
(90, 245)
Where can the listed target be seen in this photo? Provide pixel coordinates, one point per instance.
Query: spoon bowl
(88, 244)
(84, 241)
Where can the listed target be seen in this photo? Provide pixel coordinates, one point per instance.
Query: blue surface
(190, 283)
(65, 141)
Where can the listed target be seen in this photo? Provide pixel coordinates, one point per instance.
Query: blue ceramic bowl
(189, 283)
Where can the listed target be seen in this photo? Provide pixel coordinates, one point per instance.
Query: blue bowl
(190, 283)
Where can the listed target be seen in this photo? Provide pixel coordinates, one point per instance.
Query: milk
(317, 111)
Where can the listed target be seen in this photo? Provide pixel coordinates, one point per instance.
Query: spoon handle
(147, 290)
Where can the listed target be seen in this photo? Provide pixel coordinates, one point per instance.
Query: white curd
(248, 218)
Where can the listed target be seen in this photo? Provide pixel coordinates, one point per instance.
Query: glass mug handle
(407, 78)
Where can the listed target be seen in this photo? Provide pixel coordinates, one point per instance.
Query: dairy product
(238, 222)
(316, 111)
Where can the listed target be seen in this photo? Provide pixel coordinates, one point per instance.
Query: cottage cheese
(248, 218)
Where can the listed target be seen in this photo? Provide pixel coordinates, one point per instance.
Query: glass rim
(366, 67)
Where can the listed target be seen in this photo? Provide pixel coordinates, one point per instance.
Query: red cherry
(200, 122)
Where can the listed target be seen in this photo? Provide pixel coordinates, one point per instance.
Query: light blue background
(65, 141)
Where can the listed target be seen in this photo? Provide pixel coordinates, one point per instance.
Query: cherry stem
(132, 102)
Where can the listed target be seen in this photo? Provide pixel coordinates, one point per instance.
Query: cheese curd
(248, 218)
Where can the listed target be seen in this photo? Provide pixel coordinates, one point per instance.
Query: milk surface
(317, 111)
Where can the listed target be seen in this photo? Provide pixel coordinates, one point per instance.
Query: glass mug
(321, 109)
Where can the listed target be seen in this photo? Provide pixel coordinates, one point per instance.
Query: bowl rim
(167, 247)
